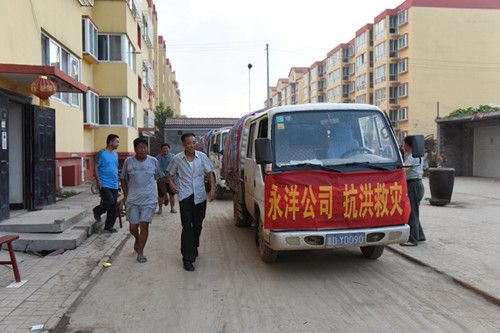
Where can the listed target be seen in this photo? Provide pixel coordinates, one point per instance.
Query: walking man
(106, 174)
(165, 157)
(140, 175)
(189, 169)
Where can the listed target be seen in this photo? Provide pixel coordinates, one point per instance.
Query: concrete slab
(49, 220)
(37, 242)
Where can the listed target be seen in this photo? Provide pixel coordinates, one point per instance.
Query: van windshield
(333, 138)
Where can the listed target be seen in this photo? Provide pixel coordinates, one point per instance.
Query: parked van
(212, 144)
(318, 176)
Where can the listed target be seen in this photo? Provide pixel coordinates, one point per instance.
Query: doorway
(16, 156)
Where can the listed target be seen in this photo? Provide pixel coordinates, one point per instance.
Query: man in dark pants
(189, 168)
(106, 174)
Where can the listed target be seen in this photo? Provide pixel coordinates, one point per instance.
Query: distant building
(411, 57)
(175, 127)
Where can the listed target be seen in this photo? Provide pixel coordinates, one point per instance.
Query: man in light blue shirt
(189, 168)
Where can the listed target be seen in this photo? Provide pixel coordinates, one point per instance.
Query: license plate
(345, 240)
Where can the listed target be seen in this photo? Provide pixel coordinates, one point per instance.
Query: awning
(24, 75)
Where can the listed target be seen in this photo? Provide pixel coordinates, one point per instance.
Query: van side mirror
(263, 154)
(216, 148)
(417, 145)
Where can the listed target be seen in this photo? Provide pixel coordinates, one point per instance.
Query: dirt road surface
(232, 290)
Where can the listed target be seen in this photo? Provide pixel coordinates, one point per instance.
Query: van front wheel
(267, 254)
(372, 252)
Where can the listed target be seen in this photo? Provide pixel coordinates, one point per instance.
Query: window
(403, 41)
(403, 114)
(379, 96)
(116, 48)
(379, 29)
(393, 24)
(361, 42)
(117, 111)
(393, 72)
(148, 75)
(345, 90)
(89, 37)
(393, 48)
(345, 73)
(139, 87)
(393, 115)
(329, 79)
(361, 82)
(403, 65)
(352, 69)
(361, 61)
(403, 90)
(337, 57)
(393, 95)
(361, 99)
(336, 75)
(55, 55)
(380, 75)
(379, 52)
(91, 114)
(403, 17)
(314, 73)
(250, 141)
(329, 63)
(263, 128)
(351, 87)
(336, 92)
(329, 95)
(313, 87)
(147, 30)
(306, 93)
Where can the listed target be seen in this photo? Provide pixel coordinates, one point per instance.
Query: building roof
(475, 117)
(221, 122)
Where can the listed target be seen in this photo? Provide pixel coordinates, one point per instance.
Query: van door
(259, 170)
(249, 171)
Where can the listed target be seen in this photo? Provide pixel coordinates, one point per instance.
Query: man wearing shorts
(165, 157)
(140, 175)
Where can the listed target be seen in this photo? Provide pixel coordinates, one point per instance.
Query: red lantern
(43, 88)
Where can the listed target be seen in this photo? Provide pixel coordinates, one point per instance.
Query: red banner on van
(316, 199)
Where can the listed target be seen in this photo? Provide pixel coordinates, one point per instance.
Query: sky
(211, 43)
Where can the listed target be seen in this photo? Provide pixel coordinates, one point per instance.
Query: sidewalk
(462, 237)
(54, 283)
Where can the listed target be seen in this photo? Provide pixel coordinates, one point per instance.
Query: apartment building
(104, 58)
(412, 58)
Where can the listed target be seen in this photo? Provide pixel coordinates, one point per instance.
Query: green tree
(161, 114)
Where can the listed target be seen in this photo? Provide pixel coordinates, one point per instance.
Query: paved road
(233, 291)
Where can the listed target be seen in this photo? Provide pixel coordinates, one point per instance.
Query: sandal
(141, 258)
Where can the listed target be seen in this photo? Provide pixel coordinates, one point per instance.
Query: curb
(59, 320)
(481, 293)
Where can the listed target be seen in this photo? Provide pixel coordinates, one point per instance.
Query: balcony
(86, 3)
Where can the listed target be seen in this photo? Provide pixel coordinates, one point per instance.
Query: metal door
(4, 164)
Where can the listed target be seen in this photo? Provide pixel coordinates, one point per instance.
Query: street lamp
(249, 98)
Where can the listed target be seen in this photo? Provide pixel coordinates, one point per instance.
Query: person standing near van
(140, 175)
(165, 195)
(189, 169)
(416, 191)
(106, 174)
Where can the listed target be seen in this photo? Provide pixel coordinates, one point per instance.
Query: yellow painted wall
(115, 79)
(454, 60)
(20, 43)
(69, 128)
(126, 134)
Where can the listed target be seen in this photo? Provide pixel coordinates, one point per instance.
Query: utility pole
(249, 98)
(268, 103)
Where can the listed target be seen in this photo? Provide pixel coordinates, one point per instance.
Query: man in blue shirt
(165, 157)
(106, 174)
(189, 168)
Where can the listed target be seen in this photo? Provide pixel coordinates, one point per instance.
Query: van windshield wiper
(363, 164)
(315, 165)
